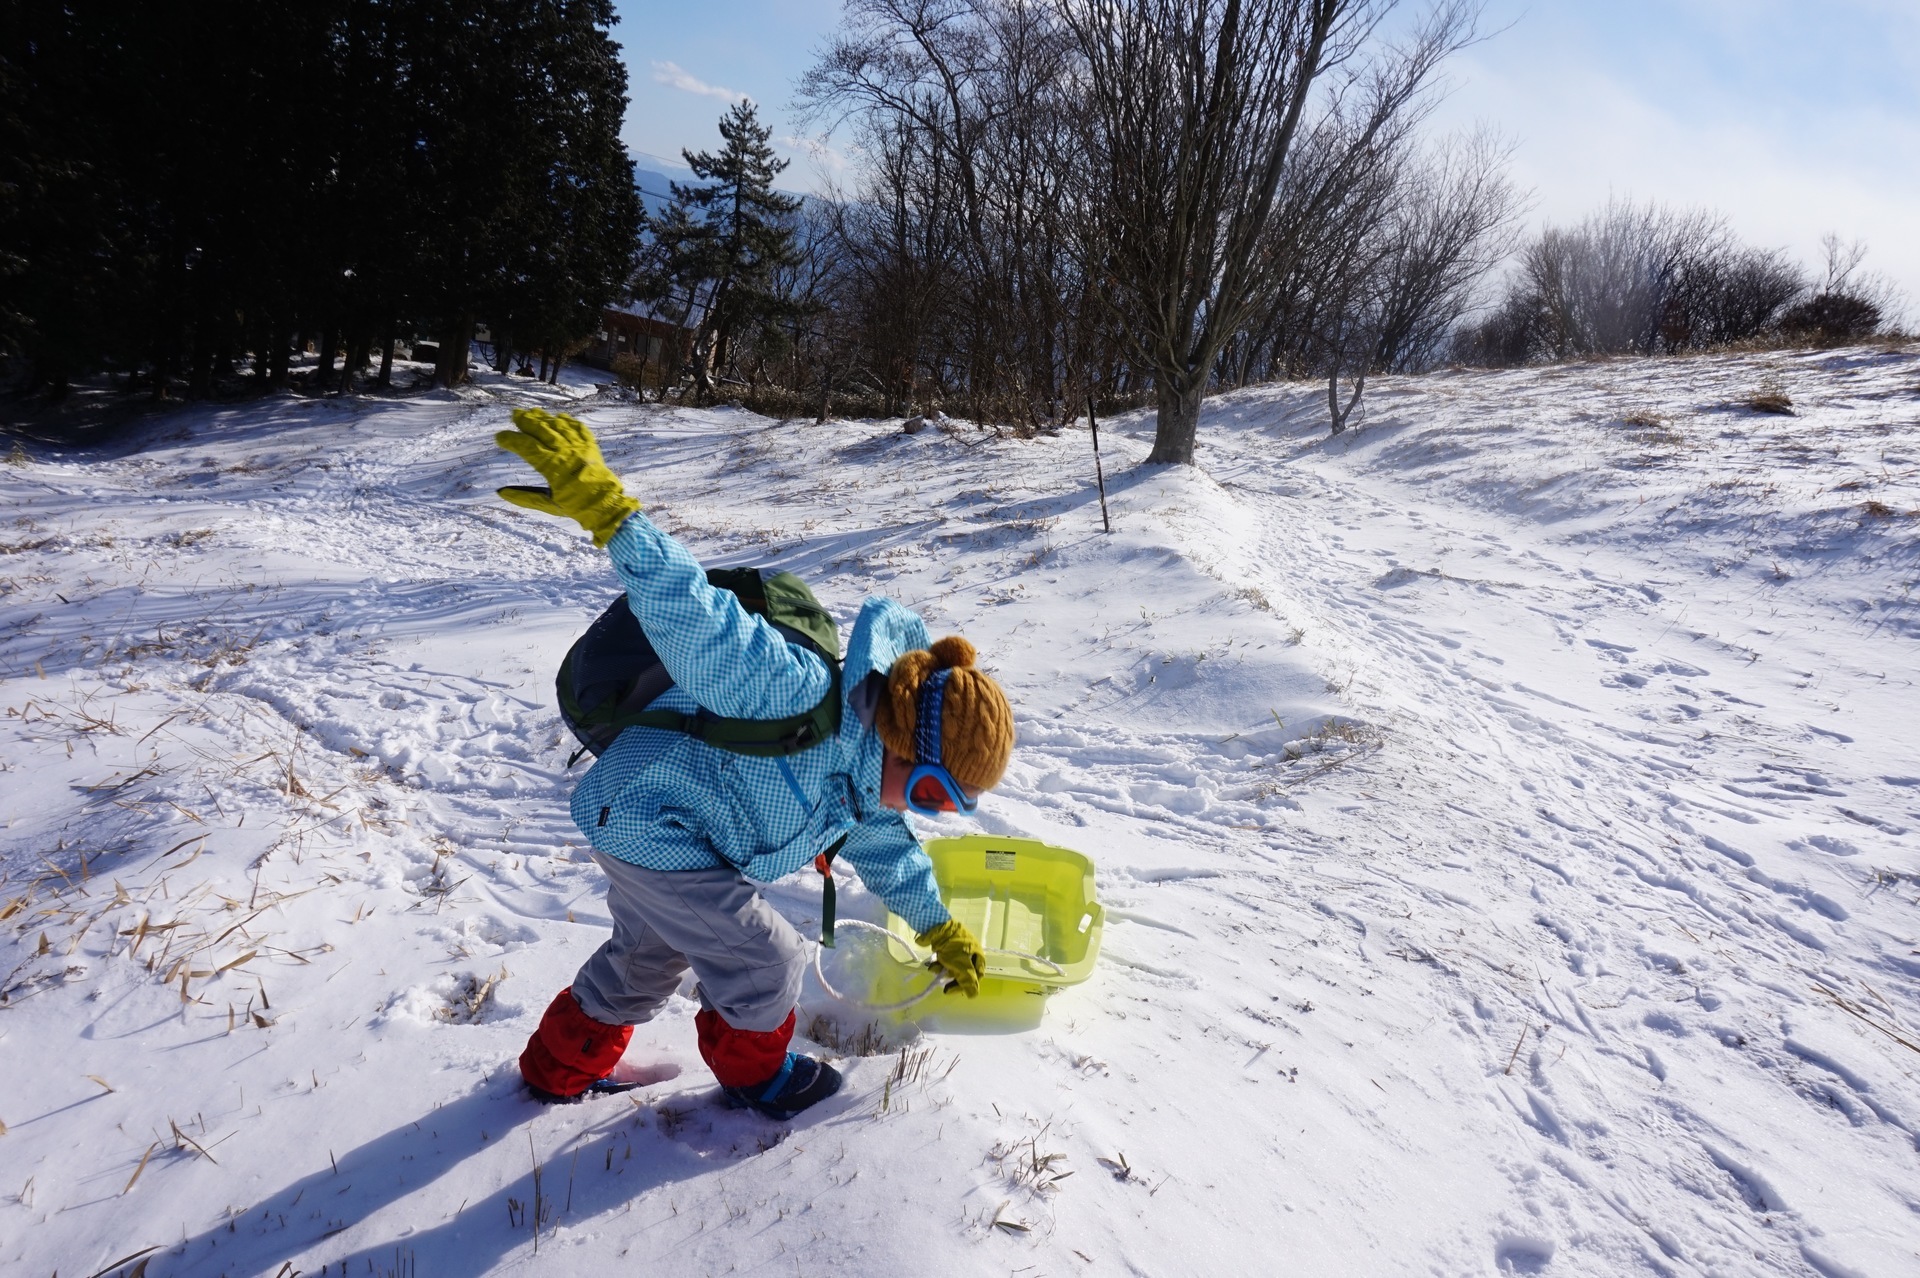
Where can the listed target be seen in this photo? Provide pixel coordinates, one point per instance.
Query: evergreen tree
(718, 250)
(180, 185)
(570, 245)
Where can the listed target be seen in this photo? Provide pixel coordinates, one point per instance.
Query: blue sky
(1793, 118)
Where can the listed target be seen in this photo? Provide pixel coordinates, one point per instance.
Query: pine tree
(576, 213)
(180, 184)
(718, 249)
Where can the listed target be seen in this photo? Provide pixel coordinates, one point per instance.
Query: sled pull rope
(911, 999)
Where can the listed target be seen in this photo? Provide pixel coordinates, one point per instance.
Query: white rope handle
(820, 951)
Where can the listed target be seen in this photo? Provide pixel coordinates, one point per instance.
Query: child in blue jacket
(685, 830)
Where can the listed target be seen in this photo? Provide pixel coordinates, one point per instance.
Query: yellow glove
(958, 955)
(580, 486)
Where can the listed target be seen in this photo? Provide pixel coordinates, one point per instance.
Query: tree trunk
(279, 340)
(323, 375)
(357, 355)
(259, 338)
(502, 352)
(386, 358)
(356, 359)
(703, 370)
(1177, 422)
(559, 357)
(1337, 413)
(200, 365)
(456, 343)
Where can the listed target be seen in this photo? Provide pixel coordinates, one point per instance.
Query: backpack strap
(625, 675)
(758, 738)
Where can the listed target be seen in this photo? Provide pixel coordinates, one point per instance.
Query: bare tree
(1448, 218)
(1644, 279)
(1194, 109)
(1606, 286)
(1140, 196)
(897, 245)
(965, 104)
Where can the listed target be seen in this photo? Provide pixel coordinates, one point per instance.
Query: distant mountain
(654, 186)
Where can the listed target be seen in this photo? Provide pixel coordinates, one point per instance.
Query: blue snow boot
(599, 1087)
(803, 1081)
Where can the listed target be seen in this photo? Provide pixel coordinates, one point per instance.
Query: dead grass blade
(136, 1176)
(1011, 1226)
(1853, 1009)
(110, 786)
(126, 1260)
(179, 1135)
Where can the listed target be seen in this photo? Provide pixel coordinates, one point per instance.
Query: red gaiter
(742, 1058)
(571, 1051)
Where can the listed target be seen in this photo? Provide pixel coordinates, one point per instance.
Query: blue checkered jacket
(665, 801)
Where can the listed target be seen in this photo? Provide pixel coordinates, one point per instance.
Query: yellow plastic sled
(1030, 901)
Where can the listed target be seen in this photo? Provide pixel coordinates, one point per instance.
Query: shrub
(1645, 280)
(1772, 397)
(1831, 318)
(629, 369)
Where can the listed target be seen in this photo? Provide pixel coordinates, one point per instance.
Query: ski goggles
(931, 789)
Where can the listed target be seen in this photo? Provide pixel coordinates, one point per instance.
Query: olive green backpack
(612, 675)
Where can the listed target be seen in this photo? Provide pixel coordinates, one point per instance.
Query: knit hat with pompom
(976, 723)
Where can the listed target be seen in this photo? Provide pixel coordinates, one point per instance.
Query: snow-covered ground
(1506, 815)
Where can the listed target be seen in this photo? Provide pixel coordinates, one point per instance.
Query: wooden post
(1099, 471)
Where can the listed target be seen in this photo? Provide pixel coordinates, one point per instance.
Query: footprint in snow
(1523, 1255)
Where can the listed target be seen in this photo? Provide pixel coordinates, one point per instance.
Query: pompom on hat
(976, 723)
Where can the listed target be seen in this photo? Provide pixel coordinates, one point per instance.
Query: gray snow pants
(747, 958)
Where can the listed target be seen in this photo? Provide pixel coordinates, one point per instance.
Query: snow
(1505, 814)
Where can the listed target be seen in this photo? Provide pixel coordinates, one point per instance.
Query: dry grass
(470, 1000)
(1336, 743)
(1025, 1167)
(1652, 430)
(1254, 597)
(1770, 397)
(914, 1067)
(439, 884)
(868, 1040)
(1881, 1020)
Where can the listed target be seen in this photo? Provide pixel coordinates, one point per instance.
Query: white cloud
(826, 157)
(1585, 135)
(674, 76)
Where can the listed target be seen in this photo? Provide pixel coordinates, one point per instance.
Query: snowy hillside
(1508, 817)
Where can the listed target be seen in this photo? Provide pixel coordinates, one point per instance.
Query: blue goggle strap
(926, 730)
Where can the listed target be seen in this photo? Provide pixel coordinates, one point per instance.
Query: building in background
(633, 340)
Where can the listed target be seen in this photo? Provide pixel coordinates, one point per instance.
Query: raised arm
(730, 661)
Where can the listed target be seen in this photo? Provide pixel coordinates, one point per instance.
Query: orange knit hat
(976, 723)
